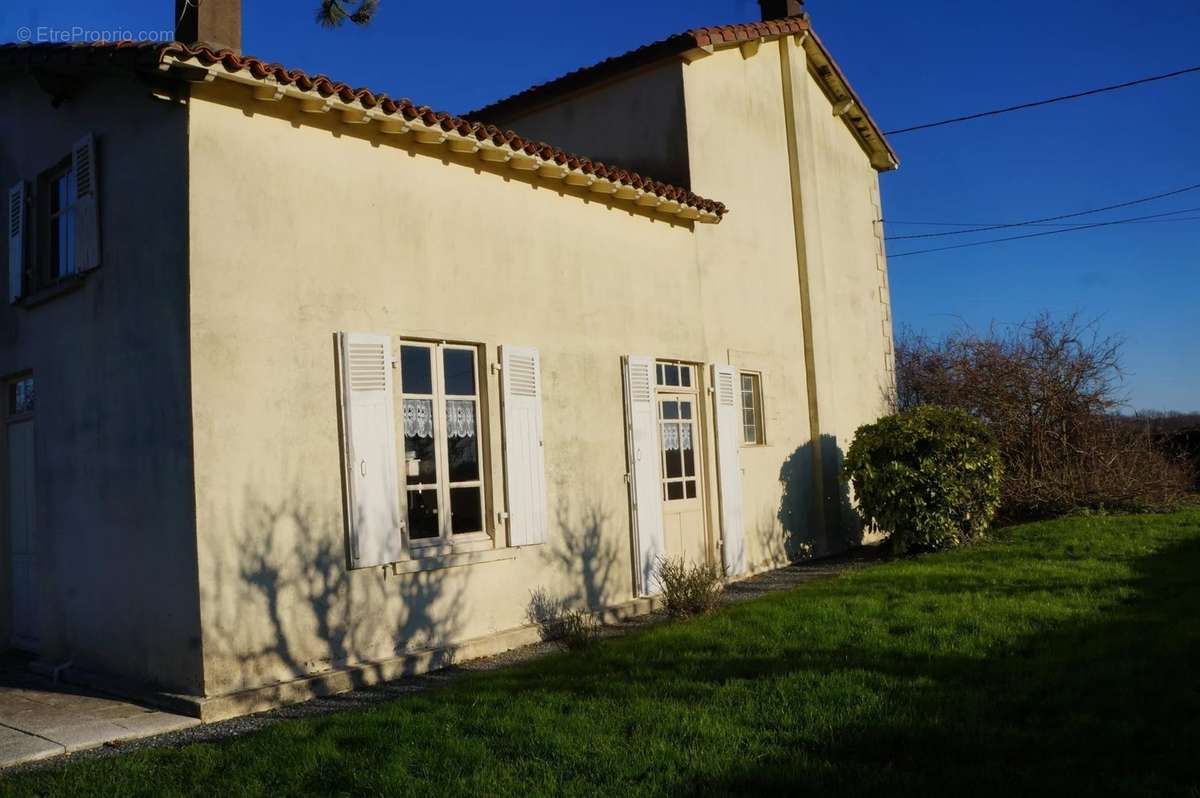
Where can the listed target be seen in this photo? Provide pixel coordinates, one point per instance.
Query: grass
(1058, 657)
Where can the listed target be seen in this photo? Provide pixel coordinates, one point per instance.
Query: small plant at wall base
(929, 476)
(690, 589)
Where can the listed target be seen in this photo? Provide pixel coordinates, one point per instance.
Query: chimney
(779, 9)
(217, 23)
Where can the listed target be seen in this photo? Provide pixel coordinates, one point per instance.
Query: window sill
(64, 285)
(436, 559)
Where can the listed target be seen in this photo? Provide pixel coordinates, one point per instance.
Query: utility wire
(1044, 224)
(985, 228)
(1044, 233)
(1037, 103)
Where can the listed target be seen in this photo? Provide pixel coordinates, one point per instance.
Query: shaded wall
(116, 546)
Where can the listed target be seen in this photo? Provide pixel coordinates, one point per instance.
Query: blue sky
(911, 63)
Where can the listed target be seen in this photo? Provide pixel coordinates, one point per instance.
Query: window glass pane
(670, 409)
(685, 409)
(685, 376)
(660, 374)
(416, 372)
(58, 194)
(422, 514)
(420, 454)
(466, 512)
(691, 488)
(672, 375)
(462, 442)
(749, 433)
(458, 366)
(674, 491)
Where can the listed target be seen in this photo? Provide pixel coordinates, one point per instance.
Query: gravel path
(770, 582)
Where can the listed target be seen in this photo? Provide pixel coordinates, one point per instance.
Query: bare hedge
(1049, 392)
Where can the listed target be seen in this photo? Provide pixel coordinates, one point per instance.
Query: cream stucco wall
(302, 226)
(300, 230)
(115, 541)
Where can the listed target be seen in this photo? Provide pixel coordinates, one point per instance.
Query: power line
(1051, 224)
(1037, 103)
(985, 228)
(1044, 233)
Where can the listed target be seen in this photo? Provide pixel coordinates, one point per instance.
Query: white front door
(22, 526)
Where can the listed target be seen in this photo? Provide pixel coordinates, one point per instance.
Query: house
(308, 386)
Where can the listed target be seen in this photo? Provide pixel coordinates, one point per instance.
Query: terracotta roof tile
(152, 55)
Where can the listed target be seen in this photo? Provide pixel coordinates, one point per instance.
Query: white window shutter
(373, 509)
(645, 479)
(87, 215)
(524, 452)
(16, 241)
(729, 468)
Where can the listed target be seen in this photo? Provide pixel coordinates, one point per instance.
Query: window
(53, 227)
(20, 396)
(440, 394)
(56, 190)
(752, 414)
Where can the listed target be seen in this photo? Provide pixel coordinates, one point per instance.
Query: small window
(20, 396)
(440, 395)
(752, 414)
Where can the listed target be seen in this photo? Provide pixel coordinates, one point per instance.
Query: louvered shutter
(16, 241)
(524, 452)
(729, 468)
(645, 480)
(372, 486)
(87, 216)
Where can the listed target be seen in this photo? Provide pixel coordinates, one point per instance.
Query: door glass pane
(416, 370)
(691, 488)
(672, 375)
(422, 514)
(685, 376)
(466, 513)
(420, 454)
(670, 409)
(674, 491)
(674, 459)
(459, 368)
(661, 378)
(685, 409)
(462, 442)
(689, 460)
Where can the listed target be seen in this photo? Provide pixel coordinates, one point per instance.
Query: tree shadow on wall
(297, 610)
(582, 547)
(828, 523)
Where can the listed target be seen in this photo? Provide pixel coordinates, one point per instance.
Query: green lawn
(1058, 657)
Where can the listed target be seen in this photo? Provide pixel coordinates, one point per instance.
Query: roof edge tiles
(319, 93)
(708, 39)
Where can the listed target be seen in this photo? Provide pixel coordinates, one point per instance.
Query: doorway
(19, 491)
(685, 525)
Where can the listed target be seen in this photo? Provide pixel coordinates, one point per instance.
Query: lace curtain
(418, 418)
(676, 436)
(460, 418)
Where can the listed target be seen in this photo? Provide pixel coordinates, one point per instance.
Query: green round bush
(929, 476)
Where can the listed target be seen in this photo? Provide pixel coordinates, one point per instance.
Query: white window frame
(756, 408)
(446, 540)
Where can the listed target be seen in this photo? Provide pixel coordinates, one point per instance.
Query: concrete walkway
(40, 719)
